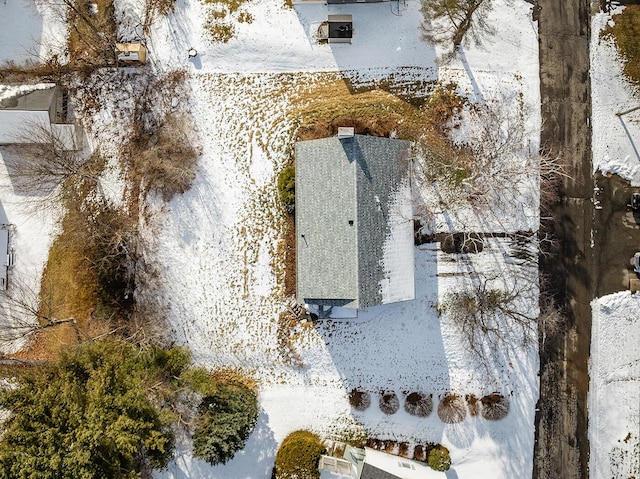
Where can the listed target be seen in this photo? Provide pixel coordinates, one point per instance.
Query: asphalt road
(562, 447)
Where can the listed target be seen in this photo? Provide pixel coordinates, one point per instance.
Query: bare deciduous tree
(44, 160)
(448, 22)
(25, 312)
(489, 318)
(493, 170)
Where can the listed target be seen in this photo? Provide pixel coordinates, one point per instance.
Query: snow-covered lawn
(30, 30)
(614, 397)
(616, 139)
(216, 246)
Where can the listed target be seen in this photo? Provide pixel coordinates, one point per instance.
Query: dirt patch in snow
(374, 126)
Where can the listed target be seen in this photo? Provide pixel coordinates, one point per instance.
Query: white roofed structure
(38, 108)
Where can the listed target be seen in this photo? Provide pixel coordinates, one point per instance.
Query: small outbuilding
(340, 28)
(131, 53)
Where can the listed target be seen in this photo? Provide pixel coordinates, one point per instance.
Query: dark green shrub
(287, 187)
(298, 456)
(92, 413)
(439, 458)
(224, 421)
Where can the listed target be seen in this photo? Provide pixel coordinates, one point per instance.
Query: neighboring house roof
(354, 228)
(41, 107)
(371, 472)
(380, 465)
(35, 100)
(4, 255)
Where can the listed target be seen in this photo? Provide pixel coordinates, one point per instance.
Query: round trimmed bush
(359, 400)
(494, 407)
(298, 456)
(452, 409)
(439, 458)
(225, 418)
(418, 404)
(474, 404)
(389, 402)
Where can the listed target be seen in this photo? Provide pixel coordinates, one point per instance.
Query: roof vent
(345, 132)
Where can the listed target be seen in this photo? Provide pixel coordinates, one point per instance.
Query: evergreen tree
(226, 416)
(90, 414)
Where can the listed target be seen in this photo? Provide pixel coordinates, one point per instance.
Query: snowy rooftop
(354, 231)
(379, 465)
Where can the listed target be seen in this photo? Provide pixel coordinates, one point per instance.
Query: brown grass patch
(625, 33)
(326, 105)
(92, 33)
(233, 375)
(221, 18)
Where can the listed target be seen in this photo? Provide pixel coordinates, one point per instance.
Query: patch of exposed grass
(92, 32)
(86, 274)
(625, 33)
(222, 16)
(373, 110)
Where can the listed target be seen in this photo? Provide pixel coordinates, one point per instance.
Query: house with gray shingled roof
(354, 222)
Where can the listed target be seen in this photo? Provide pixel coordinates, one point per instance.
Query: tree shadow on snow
(397, 347)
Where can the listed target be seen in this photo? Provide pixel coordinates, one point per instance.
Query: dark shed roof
(340, 26)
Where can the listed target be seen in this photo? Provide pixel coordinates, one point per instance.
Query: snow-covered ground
(216, 245)
(616, 139)
(31, 30)
(614, 397)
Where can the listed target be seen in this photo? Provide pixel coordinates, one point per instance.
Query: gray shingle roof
(371, 472)
(345, 189)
